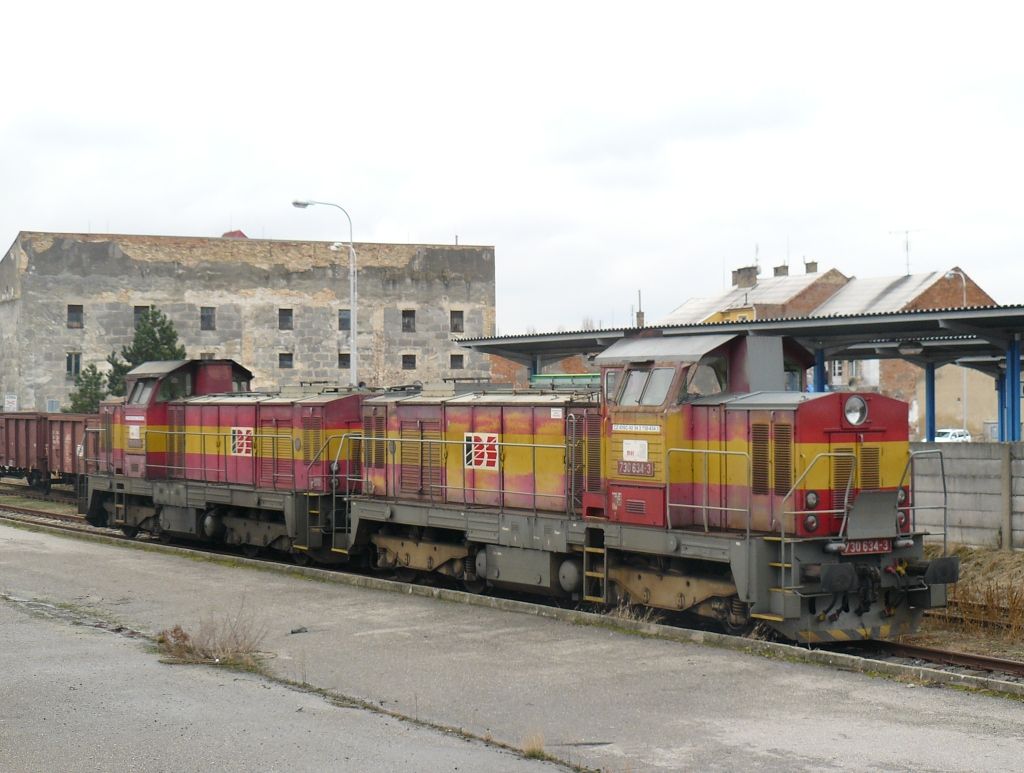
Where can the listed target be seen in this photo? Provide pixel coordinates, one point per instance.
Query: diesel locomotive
(696, 476)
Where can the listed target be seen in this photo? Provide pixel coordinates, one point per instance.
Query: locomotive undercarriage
(253, 520)
(815, 595)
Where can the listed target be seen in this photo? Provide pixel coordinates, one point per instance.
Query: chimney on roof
(811, 266)
(782, 270)
(744, 277)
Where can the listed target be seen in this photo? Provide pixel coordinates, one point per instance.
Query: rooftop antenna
(906, 243)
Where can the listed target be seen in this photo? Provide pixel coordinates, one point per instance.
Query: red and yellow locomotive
(697, 478)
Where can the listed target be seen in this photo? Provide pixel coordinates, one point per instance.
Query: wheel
(476, 586)
(131, 532)
(250, 551)
(165, 538)
(301, 557)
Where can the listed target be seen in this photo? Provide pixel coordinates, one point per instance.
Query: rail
(704, 506)
(911, 508)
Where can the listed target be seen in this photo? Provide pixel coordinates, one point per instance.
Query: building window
(138, 312)
(344, 360)
(456, 318)
(76, 315)
(408, 320)
(284, 319)
(408, 362)
(344, 319)
(207, 355)
(837, 368)
(73, 364)
(208, 318)
(457, 363)
(52, 405)
(285, 360)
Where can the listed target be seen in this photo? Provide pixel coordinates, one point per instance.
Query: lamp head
(301, 204)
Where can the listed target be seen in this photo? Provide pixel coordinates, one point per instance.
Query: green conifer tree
(89, 391)
(155, 339)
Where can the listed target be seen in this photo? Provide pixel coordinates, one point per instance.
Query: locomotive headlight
(856, 410)
(901, 496)
(811, 500)
(810, 522)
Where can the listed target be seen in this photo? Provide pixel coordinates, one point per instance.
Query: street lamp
(963, 371)
(352, 290)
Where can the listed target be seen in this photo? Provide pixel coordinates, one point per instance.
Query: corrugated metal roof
(768, 290)
(156, 368)
(664, 349)
(877, 294)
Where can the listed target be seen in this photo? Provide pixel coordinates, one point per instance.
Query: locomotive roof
(662, 348)
(491, 398)
(757, 401)
(157, 368)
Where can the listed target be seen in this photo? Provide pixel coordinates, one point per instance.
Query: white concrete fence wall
(984, 492)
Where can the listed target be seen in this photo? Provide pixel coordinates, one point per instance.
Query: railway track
(895, 652)
(23, 491)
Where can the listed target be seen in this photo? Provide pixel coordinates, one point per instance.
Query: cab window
(174, 387)
(611, 384)
(657, 386)
(707, 377)
(141, 392)
(647, 387)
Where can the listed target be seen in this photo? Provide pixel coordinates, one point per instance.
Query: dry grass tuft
(635, 613)
(533, 747)
(232, 640)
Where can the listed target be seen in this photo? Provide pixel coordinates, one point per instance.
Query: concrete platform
(600, 698)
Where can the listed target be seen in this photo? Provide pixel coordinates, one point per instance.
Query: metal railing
(911, 508)
(704, 506)
(844, 510)
(176, 445)
(438, 449)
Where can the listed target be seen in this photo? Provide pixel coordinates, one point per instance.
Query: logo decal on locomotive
(482, 450)
(241, 441)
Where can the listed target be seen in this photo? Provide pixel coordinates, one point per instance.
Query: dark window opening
(76, 315)
(137, 312)
(344, 360)
(73, 364)
(456, 322)
(208, 318)
(458, 363)
(408, 362)
(284, 319)
(344, 319)
(207, 355)
(408, 321)
(284, 360)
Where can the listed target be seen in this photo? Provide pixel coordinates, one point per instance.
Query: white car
(952, 436)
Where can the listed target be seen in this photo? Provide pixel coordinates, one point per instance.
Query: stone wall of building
(247, 283)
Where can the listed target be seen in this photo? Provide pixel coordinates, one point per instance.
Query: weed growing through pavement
(635, 613)
(533, 747)
(228, 640)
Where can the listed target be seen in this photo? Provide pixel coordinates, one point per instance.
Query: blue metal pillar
(1013, 391)
(1001, 414)
(819, 370)
(535, 366)
(929, 402)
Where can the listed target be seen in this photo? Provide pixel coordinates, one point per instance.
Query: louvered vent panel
(409, 451)
(870, 468)
(593, 452)
(842, 475)
(419, 458)
(759, 440)
(783, 458)
(375, 434)
(312, 437)
(636, 506)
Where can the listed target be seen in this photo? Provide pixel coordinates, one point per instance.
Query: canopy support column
(929, 402)
(819, 370)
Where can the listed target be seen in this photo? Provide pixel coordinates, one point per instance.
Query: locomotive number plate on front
(636, 468)
(865, 547)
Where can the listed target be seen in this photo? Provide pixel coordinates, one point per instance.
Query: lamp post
(352, 288)
(963, 371)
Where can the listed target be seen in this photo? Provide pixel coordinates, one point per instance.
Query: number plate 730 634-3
(864, 547)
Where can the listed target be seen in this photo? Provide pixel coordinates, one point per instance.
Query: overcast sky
(602, 148)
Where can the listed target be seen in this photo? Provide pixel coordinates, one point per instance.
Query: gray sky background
(602, 148)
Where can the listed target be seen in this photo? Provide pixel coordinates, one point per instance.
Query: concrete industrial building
(281, 308)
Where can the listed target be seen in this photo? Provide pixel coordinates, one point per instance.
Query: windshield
(142, 391)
